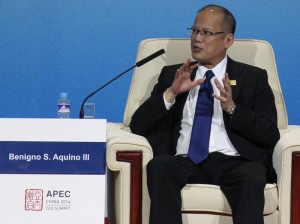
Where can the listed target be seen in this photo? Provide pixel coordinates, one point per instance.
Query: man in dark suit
(243, 127)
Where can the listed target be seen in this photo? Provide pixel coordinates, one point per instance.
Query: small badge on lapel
(233, 82)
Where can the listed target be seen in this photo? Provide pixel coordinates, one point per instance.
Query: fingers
(226, 82)
(187, 67)
(194, 66)
(225, 89)
(225, 96)
(221, 89)
(182, 81)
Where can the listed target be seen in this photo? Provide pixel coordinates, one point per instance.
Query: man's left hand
(225, 94)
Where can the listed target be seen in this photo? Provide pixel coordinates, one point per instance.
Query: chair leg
(136, 160)
(295, 189)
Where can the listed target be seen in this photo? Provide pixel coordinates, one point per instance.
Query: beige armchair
(128, 154)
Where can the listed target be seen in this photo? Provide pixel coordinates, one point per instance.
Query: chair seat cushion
(204, 198)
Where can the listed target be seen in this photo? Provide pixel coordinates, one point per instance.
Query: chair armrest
(120, 139)
(285, 164)
(127, 155)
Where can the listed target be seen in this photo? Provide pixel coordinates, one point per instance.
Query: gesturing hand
(182, 81)
(225, 94)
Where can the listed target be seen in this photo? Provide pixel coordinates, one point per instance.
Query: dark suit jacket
(252, 130)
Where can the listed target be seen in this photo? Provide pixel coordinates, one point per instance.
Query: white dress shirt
(219, 140)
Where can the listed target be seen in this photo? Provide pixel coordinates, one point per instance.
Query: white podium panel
(52, 171)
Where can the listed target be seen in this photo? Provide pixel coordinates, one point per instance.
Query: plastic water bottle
(63, 106)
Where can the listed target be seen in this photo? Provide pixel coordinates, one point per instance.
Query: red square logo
(33, 200)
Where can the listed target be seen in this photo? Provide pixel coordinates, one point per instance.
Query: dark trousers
(242, 182)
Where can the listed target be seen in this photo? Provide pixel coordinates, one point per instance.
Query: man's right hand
(182, 81)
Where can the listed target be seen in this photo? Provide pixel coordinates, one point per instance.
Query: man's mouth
(197, 49)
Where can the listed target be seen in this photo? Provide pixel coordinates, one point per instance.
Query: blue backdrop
(75, 46)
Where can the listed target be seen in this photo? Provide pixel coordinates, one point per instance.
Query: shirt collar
(219, 70)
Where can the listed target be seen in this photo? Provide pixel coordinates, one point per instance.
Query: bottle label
(63, 108)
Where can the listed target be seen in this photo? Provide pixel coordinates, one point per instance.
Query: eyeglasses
(194, 31)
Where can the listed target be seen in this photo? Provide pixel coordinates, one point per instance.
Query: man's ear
(229, 39)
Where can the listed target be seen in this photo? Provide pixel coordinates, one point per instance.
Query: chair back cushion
(254, 52)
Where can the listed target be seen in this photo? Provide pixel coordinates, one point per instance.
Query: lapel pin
(233, 82)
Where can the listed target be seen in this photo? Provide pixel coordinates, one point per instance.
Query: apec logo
(54, 200)
(60, 194)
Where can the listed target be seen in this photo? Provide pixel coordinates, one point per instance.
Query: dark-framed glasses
(205, 33)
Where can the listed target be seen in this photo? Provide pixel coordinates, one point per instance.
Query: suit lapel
(236, 80)
(193, 75)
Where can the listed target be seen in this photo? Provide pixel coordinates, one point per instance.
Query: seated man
(210, 122)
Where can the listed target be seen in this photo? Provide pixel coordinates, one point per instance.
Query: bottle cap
(63, 94)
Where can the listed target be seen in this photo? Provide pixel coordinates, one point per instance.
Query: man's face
(210, 50)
